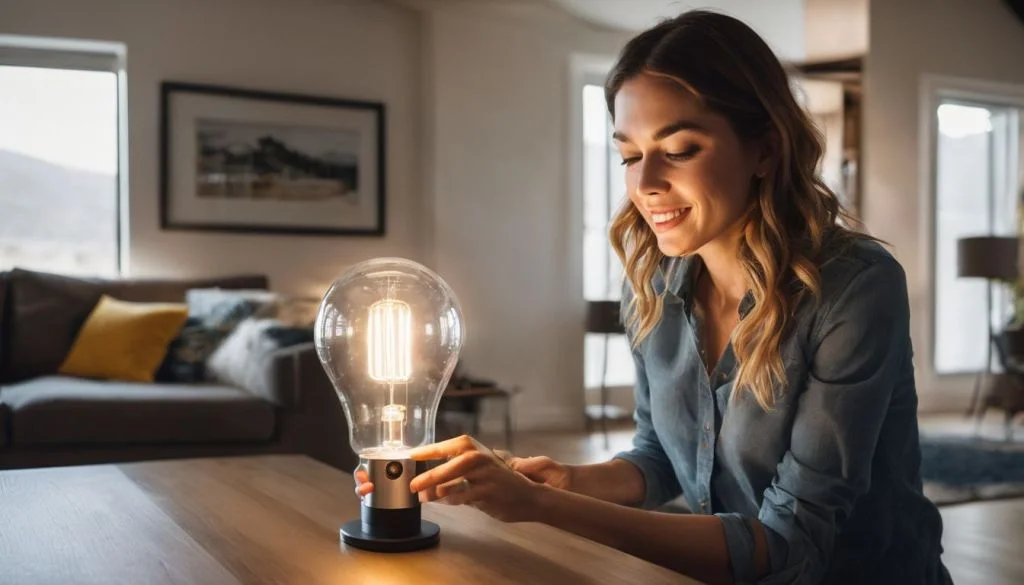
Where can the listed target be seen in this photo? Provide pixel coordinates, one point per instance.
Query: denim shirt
(832, 472)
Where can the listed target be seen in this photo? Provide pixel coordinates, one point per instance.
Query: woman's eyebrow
(666, 131)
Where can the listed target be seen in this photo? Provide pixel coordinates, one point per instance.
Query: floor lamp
(603, 317)
(991, 258)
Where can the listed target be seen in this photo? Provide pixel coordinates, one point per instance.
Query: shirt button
(703, 504)
(707, 426)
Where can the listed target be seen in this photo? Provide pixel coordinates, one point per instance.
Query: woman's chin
(676, 247)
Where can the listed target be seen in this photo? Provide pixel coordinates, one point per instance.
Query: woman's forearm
(617, 481)
(687, 543)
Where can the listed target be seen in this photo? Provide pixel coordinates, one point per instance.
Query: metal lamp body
(390, 516)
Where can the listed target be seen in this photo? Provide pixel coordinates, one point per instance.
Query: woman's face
(687, 171)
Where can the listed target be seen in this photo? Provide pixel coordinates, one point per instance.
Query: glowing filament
(389, 344)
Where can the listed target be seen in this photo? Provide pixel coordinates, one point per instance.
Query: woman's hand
(543, 470)
(474, 475)
(363, 484)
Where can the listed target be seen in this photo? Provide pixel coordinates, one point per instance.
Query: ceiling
(780, 22)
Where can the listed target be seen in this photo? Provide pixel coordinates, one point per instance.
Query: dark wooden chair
(1005, 390)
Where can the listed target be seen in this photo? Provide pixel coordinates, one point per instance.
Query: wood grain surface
(264, 519)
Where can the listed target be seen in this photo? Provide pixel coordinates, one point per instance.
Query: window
(60, 155)
(976, 193)
(604, 191)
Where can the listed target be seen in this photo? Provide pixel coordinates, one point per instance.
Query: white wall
(835, 29)
(506, 233)
(360, 50)
(980, 39)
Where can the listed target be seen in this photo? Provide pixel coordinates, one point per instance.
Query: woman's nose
(650, 178)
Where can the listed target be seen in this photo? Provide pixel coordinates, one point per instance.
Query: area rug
(957, 470)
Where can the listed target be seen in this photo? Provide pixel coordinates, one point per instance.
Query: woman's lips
(664, 221)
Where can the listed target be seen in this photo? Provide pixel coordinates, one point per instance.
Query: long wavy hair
(792, 217)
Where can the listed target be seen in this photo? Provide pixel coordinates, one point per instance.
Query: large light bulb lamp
(388, 333)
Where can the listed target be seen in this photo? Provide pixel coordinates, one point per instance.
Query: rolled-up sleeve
(647, 453)
(858, 348)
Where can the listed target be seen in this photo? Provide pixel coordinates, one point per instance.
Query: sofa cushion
(43, 314)
(61, 410)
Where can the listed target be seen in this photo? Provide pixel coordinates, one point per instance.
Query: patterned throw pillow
(213, 315)
(186, 356)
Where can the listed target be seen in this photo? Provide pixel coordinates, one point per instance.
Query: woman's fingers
(363, 485)
(466, 495)
(454, 469)
(505, 456)
(445, 449)
(443, 491)
(530, 464)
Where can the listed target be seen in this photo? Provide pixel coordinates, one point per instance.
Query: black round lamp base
(352, 534)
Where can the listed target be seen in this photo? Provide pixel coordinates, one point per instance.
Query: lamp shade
(603, 317)
(992, 257)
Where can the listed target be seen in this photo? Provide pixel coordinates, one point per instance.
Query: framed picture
(260, 162)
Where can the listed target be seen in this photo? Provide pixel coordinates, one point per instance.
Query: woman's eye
(684, 155)
(628, 160)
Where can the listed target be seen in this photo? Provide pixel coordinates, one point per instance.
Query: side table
(472, 397)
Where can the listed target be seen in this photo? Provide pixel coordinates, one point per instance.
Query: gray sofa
(47, 419)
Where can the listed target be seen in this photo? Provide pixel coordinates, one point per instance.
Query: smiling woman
(774, 371)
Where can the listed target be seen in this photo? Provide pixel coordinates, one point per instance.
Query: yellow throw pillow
(124, 341)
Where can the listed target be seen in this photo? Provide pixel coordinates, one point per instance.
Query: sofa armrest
(286, 372)
(311, 419)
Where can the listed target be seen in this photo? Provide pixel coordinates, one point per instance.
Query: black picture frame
(170, 126)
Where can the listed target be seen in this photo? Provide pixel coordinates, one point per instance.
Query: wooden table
(265, 519)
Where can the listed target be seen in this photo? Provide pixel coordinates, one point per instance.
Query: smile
(669, 219)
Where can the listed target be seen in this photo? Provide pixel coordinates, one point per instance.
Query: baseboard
(546, 419)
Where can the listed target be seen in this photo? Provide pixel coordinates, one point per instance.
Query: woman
(775, 387)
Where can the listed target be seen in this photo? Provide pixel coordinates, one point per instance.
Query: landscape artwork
(263, 161)
(248, 161)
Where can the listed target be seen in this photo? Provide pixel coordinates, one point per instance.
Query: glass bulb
(388, 333)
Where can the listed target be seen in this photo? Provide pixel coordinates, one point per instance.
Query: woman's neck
(727, 282)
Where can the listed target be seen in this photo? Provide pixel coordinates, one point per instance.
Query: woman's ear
(767, 154)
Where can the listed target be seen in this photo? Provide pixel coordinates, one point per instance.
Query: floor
(983, 541)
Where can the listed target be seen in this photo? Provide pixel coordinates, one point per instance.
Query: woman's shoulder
(859, 277)
(854, 256)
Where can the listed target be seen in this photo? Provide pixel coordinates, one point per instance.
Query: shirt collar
(680, 275)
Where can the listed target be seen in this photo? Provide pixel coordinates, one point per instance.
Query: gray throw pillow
(241, 358)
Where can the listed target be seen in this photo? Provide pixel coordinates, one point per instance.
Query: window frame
(85, 55)
(585, 69)
(934, 91)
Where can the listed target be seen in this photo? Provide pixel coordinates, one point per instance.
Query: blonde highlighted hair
(792, 217)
